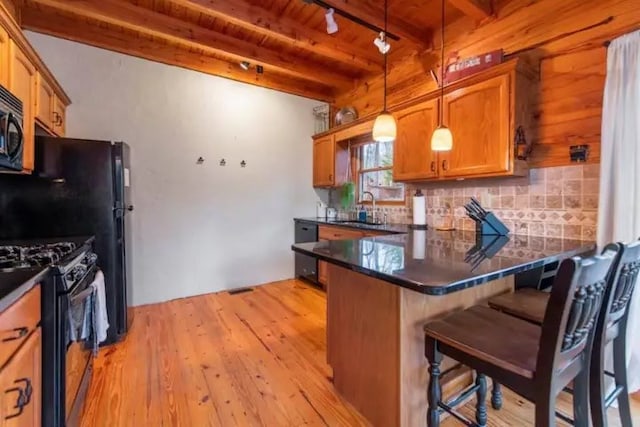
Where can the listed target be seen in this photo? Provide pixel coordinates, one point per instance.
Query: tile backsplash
(556, 202)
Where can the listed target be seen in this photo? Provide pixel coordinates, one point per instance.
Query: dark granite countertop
(13, 285)
(441, 262)
(389, 228)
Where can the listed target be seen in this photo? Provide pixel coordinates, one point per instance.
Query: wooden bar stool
(530, 305)
(535, 362)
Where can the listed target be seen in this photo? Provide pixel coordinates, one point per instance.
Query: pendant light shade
(442, 139)
(384, 128)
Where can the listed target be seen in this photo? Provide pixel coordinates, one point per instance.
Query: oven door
(11, 141)
(79, 348)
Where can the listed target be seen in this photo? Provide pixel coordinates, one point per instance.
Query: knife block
(491, 226)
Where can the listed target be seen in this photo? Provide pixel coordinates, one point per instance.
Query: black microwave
(11, 135)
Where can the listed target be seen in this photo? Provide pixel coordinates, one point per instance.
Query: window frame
(356, 162)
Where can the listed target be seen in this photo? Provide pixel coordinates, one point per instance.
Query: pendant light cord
(386, 11)
(442, 69)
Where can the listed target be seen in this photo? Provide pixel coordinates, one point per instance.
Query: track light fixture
(245, 65)
(381, 43)
(332, 25)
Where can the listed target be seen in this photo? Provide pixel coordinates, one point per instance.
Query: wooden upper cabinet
(4, 58)
(330, 162)
(479, 118)
(59, 117)
(413, 158)
(23, 84)
(324, 162)
(45, 103)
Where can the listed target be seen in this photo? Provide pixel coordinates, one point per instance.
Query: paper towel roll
(419, 210)
(419, 244)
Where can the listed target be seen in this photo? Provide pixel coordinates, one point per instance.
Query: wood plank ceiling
(287, 38)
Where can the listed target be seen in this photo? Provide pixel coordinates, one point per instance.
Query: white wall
(196, 229)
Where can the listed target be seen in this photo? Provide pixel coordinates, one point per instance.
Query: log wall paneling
(568, 107)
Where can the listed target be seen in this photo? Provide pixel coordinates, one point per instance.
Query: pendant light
(442, 138)
(384, 128)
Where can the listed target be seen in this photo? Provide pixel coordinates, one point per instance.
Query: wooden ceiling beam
(422, 38)
(263, 21)
(476, 9)
(146, 21)
(79, 30)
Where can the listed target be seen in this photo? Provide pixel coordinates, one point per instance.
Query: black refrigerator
(79, 187)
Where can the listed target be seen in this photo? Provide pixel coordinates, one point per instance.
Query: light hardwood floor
(251, 359)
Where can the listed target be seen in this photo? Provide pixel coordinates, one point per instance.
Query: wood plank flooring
(251, 359)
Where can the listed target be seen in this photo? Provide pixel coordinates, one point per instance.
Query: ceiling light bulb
(332, 25)
(382, 44)
(442, 139)
(245, 65)
(384, 128)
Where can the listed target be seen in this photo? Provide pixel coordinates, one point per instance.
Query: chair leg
(620, 372)
(496, 395)
(597, 388)
(546, 412)
(581, 399)
(481, 404)
(435, 391)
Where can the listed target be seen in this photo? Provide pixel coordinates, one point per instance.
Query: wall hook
(243, 164)
(223, 162)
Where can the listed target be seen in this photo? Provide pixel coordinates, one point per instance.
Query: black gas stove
(71, 267)
(16, 257)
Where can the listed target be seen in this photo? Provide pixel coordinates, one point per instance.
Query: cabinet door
(45, 103)
(59, 117)
(23, 84)
(413, 158)
(20, 385)
(324, 158)
(4, 58)
(479, 118)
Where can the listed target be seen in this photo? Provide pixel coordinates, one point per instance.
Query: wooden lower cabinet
(322, 272)
(20, 385)
(23, 84)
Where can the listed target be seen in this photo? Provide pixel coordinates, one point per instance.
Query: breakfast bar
(383, 290)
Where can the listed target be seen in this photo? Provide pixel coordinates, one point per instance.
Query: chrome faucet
(373, 208)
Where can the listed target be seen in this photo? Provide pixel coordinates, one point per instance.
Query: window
(375, 173)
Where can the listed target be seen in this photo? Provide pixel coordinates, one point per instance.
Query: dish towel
(101, 320)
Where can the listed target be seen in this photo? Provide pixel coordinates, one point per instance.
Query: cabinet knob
(330, 177)
(445, 165)
(57, 119)
(433, 166)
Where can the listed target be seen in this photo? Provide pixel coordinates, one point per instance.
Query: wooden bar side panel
(363, 343)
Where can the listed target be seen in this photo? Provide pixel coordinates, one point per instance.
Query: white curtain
(619, 206)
